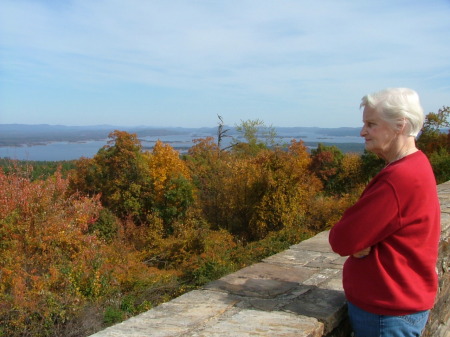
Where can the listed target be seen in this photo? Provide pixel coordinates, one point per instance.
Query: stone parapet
(297, 292)
(439, 322)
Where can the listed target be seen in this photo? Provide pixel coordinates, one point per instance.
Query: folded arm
(370, 220)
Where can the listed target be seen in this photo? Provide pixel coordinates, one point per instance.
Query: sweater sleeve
(371, 219)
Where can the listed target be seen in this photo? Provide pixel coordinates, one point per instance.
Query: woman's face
(379, 134)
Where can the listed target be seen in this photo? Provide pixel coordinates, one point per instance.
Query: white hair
(398, 106)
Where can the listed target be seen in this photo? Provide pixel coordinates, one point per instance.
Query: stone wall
(297, 292)
(439, 322)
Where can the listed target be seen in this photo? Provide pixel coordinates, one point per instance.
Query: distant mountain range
(23, 134)
(26, 134)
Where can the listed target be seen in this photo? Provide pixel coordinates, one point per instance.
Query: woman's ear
(401, 126)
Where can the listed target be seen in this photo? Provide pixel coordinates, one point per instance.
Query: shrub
(440, 161)
(52, 268)
(106, 226)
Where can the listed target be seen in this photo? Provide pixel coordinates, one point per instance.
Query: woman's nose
(363, 131)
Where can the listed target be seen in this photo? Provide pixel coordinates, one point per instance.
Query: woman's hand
(362, 253)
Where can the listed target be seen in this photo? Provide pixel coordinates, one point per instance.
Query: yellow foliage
(289, 186)
(351, 166)
(165, 163)
(325, 211)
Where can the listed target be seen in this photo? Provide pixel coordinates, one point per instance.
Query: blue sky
(181, 63)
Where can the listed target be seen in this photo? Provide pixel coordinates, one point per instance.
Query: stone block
(328, 306)
(173, 318)
(324, 276)
(259, 323)
(293, 257)
(318, 243)
(262, 280)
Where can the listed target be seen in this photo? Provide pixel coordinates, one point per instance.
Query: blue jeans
(365, 324)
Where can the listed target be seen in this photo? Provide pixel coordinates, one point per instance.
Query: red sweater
(398, 215)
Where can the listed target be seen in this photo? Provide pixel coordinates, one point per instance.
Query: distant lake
(55, 151)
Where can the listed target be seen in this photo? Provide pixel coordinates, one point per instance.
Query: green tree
(440, 161)
(119, 172)
(258, 136)
(371, 165)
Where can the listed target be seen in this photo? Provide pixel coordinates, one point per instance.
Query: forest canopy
(101, 239)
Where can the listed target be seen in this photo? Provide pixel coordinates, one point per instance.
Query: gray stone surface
(264, 280)
(257, 323)
(328, 306)
(439, 322)
(174, 318)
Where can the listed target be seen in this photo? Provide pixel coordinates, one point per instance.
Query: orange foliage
(61, 249)
(50, 266)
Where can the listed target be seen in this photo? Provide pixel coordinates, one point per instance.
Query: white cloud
(301, 54)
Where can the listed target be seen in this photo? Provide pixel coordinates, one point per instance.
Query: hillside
(25, 134)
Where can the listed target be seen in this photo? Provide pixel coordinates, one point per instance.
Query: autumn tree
(119, 172)
(251, 196)
(209, 171)
(227, 183)
(287, 189)
(171, 188)
(350, 175)
(432, 137)
(52, 267)
(137, 184)
(326, 163)
(435, 142)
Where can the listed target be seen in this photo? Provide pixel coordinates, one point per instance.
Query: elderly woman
(391, 234)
